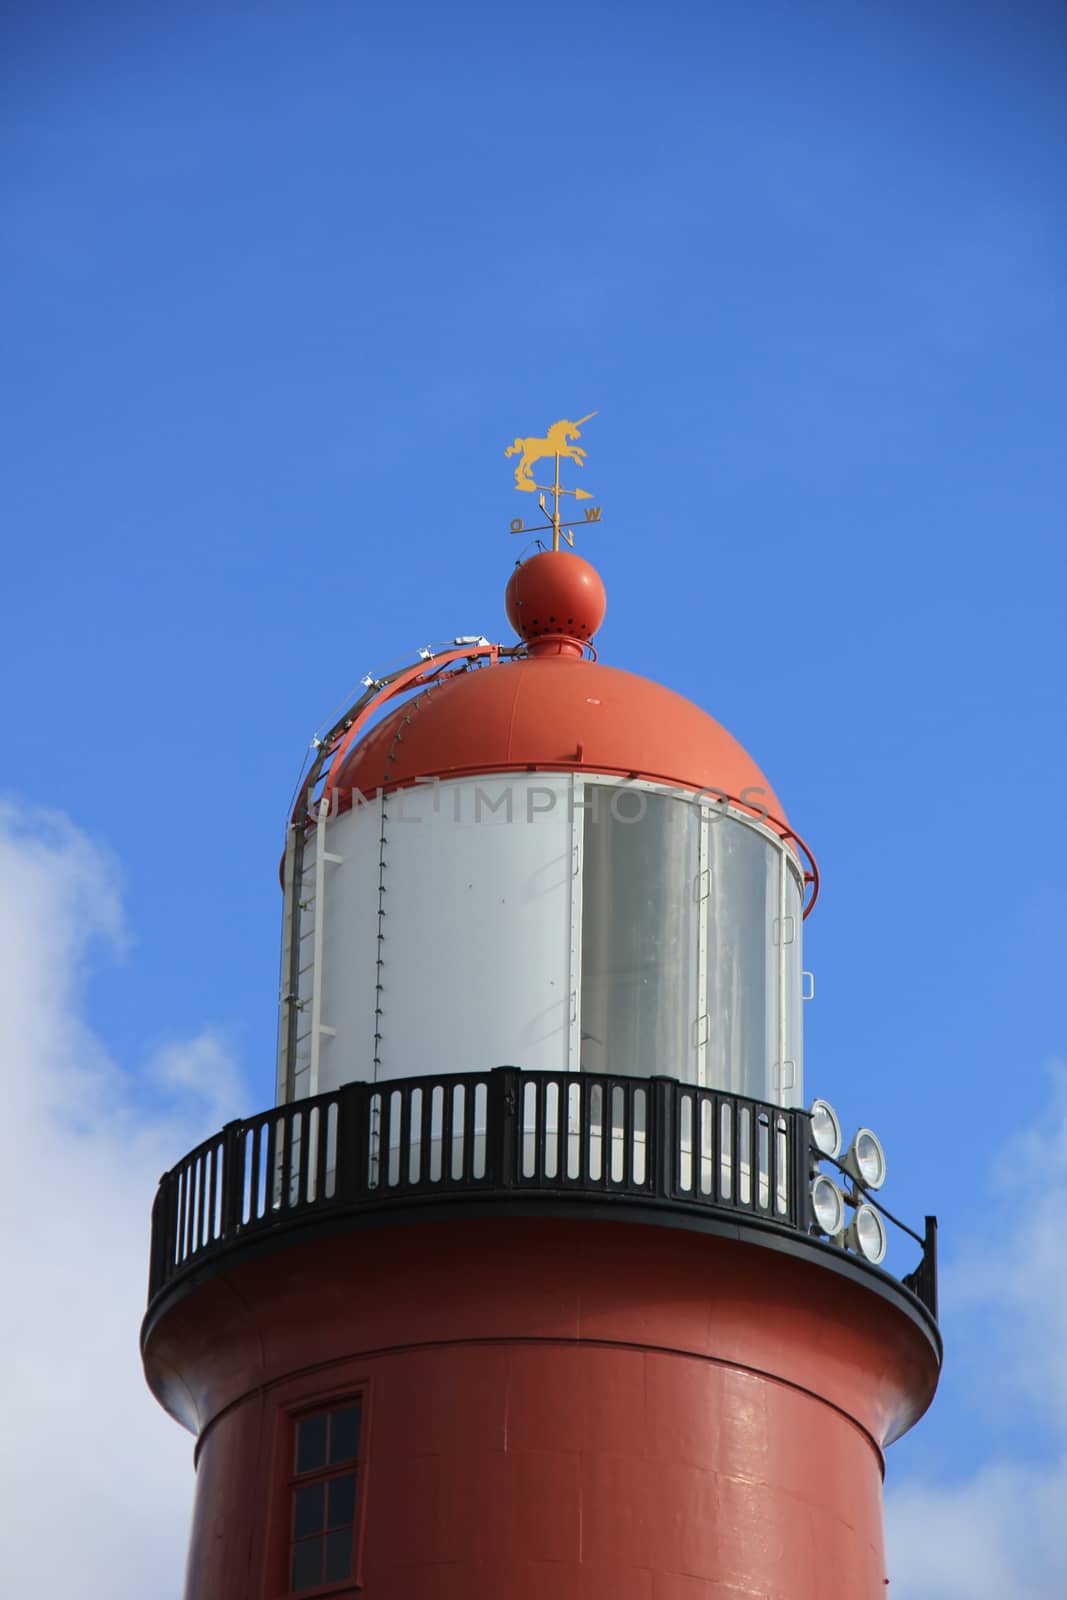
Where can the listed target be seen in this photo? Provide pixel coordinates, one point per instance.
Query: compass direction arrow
(553, 490)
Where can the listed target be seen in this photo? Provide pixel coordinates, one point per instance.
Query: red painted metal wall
(553, 1408)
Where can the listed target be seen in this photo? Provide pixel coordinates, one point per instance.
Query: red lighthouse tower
(542, 1277)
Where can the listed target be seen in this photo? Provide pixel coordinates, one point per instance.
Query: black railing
(923, 1281)
(501, 1132)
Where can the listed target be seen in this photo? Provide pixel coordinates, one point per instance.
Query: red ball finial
(555, 595)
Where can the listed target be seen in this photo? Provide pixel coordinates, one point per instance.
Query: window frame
(287, 1480)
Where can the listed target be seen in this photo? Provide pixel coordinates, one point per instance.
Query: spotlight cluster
(864, 1162)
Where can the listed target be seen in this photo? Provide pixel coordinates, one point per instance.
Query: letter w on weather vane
(557, 443)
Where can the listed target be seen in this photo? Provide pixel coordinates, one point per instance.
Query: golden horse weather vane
(557, 442)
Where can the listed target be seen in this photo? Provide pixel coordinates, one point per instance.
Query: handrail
(498, 1133)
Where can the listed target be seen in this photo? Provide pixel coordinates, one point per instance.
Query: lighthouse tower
(543, 1277)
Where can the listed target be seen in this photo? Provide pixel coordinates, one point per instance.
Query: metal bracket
(785, 1075)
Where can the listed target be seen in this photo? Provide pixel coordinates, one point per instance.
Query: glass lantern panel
(638, 981)
(743, 959)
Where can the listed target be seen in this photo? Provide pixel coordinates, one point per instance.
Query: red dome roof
(553, 712)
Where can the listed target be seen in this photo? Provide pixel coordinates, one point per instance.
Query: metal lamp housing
(864, 1159)
(866, 1234)
(825, 1129)
(827, 1206)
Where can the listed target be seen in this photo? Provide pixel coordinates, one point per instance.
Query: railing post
(799, 1160)
(662, 1136)
(352, 1141)
(233, 1178)
(930, 1266)
(501, 1127)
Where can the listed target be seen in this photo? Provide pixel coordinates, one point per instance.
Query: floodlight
(825, 1129)
(866, 1234)
(864, 1159)
(828, 1205)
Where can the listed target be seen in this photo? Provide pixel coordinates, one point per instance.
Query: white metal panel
(475, 947)
(348, 943)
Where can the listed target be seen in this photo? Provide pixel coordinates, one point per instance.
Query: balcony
(506, 1141)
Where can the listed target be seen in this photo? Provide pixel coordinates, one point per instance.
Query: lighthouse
(545, 1275)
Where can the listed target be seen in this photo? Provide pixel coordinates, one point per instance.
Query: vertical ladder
(303, 950)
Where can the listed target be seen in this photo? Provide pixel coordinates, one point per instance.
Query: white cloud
(201, 1070)
(96, 1481)
(1002, 1529)
(997, 1536)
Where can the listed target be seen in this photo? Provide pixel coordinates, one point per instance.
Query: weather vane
(557, 443)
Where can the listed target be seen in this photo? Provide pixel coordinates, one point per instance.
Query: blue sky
(282, 281)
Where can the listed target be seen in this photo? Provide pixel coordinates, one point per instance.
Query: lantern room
(593, 863)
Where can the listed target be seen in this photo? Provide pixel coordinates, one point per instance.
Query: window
(322, 1497)
(690, 944)
(639, 943)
